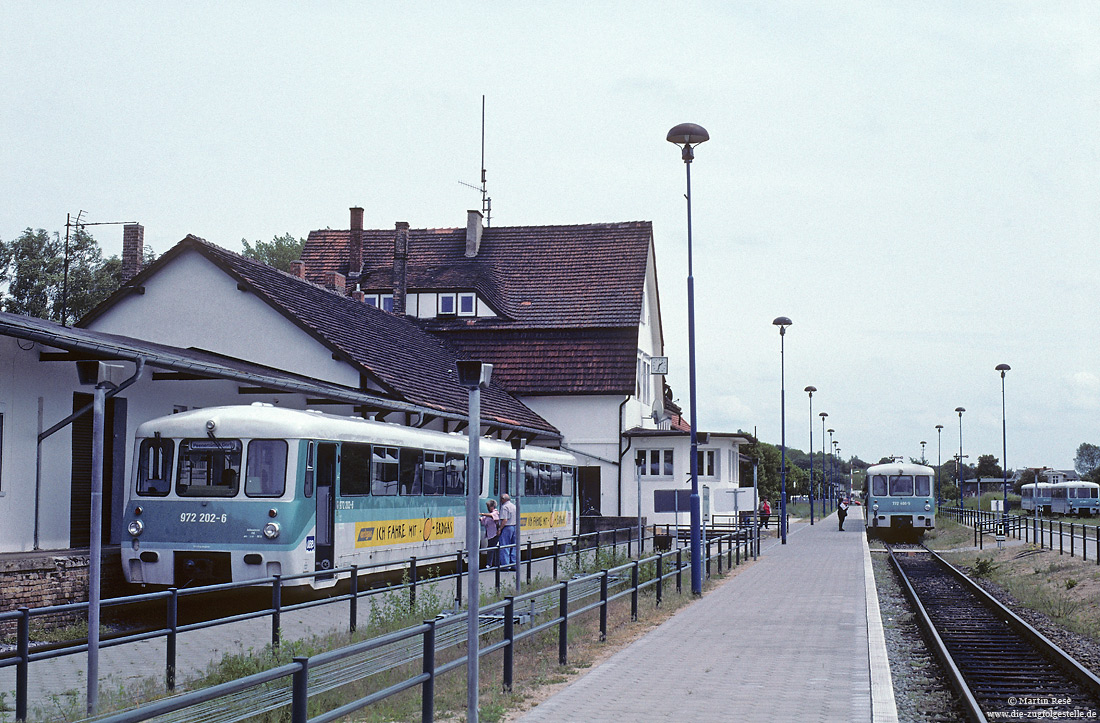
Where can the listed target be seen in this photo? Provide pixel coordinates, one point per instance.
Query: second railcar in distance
(1036, 494)
(1075, 498)
(901, 501)
(228, 494)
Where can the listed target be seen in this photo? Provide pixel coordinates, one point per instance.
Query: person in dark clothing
(842, 512)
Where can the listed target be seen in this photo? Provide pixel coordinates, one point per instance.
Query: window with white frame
(467, 304)
(708, 463)
(644, 386)
(386, 302)
(654, 462)
(447, 304)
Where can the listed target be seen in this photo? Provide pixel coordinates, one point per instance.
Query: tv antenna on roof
(486, 202)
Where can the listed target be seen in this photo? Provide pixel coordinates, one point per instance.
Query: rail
(999, 663)
(516, 618)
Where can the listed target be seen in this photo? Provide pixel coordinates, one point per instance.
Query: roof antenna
(486, 202)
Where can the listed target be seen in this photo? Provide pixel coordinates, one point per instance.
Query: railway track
(1003, 668)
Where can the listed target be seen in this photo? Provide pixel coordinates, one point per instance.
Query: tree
(279, 252)
(33, 265)
(988, 467)
(1087, 461)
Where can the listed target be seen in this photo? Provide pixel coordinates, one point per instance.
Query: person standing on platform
(765, 513)
(491, 522)
(842, 512)
(507, 531)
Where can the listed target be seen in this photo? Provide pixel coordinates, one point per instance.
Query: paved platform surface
(787, 639)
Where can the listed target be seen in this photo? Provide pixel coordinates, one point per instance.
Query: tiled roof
(589, 275)
(555, 361)
(410, 363)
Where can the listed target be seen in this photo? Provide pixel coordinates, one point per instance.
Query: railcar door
(326, 508)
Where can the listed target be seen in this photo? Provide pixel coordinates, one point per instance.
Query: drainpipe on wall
(619, 494)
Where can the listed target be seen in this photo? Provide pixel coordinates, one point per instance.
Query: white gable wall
(191, 302)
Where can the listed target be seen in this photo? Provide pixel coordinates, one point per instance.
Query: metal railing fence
(292, 685)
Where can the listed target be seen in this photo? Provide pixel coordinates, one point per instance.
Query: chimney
(355, 248)
(336, 281)
(358, 295)
(133, 250)
(474, 227)
(298, 268)
(400, 264)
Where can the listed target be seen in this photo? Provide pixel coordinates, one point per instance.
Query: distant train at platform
(229, 494)
(900, 500)
(1036, 495)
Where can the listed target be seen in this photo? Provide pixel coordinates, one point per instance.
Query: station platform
(796, 636)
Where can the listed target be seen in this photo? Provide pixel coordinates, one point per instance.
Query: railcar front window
(924, 485)
(209, 468)
(155, 467)
(901, 485)
(265, 473)
(878, 485)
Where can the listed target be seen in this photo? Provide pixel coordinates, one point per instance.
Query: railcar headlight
(271, 530)
(875, 507)
(927, 507)
(135, 528)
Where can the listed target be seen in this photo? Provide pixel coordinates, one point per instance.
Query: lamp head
(939, 426)
(823, 415)
(810, 390)
(960, 410)
(1002, 368)
(782, 322)
(831, 431)
(688, 135)
(473, 374)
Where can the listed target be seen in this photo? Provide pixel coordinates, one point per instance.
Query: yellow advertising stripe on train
(396, 532)
(542, 520)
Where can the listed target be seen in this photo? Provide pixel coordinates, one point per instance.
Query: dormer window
(381, 301)
(467, 304)
(447, 304)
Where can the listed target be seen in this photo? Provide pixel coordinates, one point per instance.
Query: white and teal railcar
(900, 500)
(228, 494)
(1036, 494)
(1075, 498)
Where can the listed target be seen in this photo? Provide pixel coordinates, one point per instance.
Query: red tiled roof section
(536, 276)
(551, 361)
(417, 366)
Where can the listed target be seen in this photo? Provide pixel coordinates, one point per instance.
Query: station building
(368, 323)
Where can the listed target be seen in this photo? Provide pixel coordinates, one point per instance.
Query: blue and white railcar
(1036, 494)
(900, 500)
(237, 493)
(1075, 498)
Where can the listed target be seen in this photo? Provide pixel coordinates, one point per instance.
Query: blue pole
(696, 512)
(783, 439)
(824, 482)
(808, 391)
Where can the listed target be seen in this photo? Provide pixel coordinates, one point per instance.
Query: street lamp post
(474, 376)
(1002, 368)
(939, 463)
(782, 322)
(824, 481)
(810, 390)
(687, 136)
(922, 451)
(832, 470)
(959, 469)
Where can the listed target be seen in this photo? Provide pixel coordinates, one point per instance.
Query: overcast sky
(915, 184)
